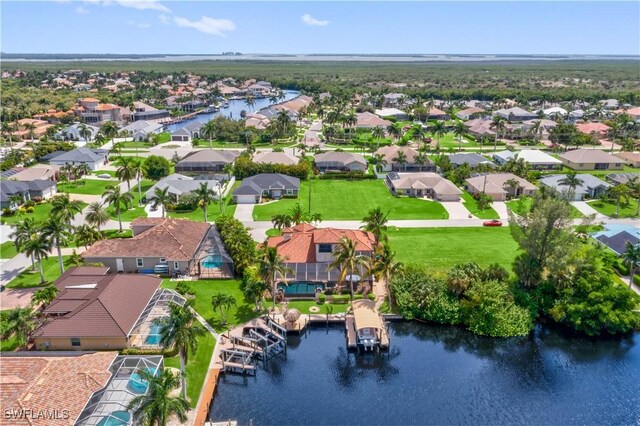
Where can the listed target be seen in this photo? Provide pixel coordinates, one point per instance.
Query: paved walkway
(501, 208)
(587, 210)
(152, 213)
(456, 210)
(244, 213)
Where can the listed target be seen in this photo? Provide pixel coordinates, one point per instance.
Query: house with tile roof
(471, 112)
(94, 158)
(266, 157)
(537, 159)
(590, 187)
(335, 161)
(271, 185)
(390, 155)
(630, 158)
(494, 185)
(165, 246)
(308, 251)
(598, 130)
(367, 120)
(429, 185)
(591, 159)
(206, 160)
(516, 114)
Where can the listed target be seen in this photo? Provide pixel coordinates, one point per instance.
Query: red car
(492, 222)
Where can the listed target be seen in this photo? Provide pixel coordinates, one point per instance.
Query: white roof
(555, 110)
(387, 112)
(533, 156)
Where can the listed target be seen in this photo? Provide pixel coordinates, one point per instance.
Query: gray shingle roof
(472, 159)
(589, 181)
(9, 188)
(254, 185)
(81, 155)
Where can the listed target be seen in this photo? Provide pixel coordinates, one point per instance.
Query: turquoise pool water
(300, 288)
(211, 262)
(137, 384)
(117, 418)
(154, 335)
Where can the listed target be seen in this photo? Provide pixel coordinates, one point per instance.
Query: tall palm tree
(250, 101)
(223, 302)
(571, 180)
(97, 215)
(459, 130)
(64, 208)
(25, 230)
(86, 235)
(138, 172)
(511, 185)
(421, 159)
(109, 130)
(297, 214)
(438, 130)
(157, 405)
(618, 192)
(204, 195)
(38, 248)
(271, 265)
(631, 256)
(45, 295)
(498, 123)
(21, 323)
(30, 128)
(84, 132)
(125, 172)
(118, 200)
(386, 266)
(347, 259)
(395, 130)
(536, 129)
(161, 197)
(7, 130)
(178, 330)
(377, 132)
(56, 233)
(376, 222)
(280, 221)
(208, 131)
(634, 190)
(400, 159)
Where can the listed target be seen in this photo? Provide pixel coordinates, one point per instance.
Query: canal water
(439, 375)
(236, 106)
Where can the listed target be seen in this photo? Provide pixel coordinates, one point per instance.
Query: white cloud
(310, 20)
(207, 25)
(133, 4)
(81, 10)
(164, 19)
(142, 25)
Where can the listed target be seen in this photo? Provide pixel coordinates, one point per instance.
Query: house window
(324, 248)
(289, 191)
(176, 265)
(163, 260)
(139, 262)
(75, 342)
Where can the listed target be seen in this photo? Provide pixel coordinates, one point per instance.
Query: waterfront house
(591, 186)
(94, 112)
(271, 185)
(538, 160)
(93, 158)
(390, 154)
(141, 130)
(494, 185)
(429, 185)
(187, 133)
(206, 160)
(340, 162)
(591, 159)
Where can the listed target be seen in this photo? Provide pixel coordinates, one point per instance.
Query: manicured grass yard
(86, 186)
(352, 200)
(8, 250)
(40, 214)
(472, 205)
(609, 208)
(29, 278)
(136, 210)
(213, 211)
(304, 305)
(522, 205)
(441, 248)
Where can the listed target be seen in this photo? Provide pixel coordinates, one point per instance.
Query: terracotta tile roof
(297, 244)
(52, 383)
(89, 100)
(109, 307)
(173, 239)
(590, 156)
(588, 128)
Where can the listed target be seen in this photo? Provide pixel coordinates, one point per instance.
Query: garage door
(246, 199)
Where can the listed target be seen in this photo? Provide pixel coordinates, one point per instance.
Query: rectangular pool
(300, 288)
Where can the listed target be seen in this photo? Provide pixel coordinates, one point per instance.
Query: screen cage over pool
(212, 260)
(145, 333)
(317, 272)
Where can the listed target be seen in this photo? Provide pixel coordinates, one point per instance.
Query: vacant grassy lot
(522, 205)
(351, 200)
(8, 250)
(441, 248)
(40, 213)
(86, 186)
(608, 208)
(31, 278)
(472, 205)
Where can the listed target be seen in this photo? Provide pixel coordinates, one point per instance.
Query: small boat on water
(211, 108)
(225, 104)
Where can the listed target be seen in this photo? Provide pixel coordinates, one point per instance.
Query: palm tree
(297, 215)
(271, 265)
(618, 192)
(572, 181)
(376, 222)
(347, 259)
(250, 101)
(30, 128)
(511, 185)
(21, 323)
(137, 171)
(45, 295)
(64, 208)
(161, 197)
(7, 130)
(438, 130)
(204, 195)
(395, 130)
(536, 129)
(280, 221)
(97, 215)
(223, 302)
(86, 235)
(385, 266)
(421, 159)
(56, 233)
(377, 132)
(125, 170)
(459, 130)
(109, 130)
(208, 131)
(157, 404)
(177, 330)
(39, 249)
(118, 200)
(400, 159)
(84, 132)
(631, 256)
(498, 123)
(24, 231)
(74, 259)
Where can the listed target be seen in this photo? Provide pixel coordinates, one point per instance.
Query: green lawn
(8, 250)
(41, 213)
(197, 366)
(114, 233)
(472, 205)
(522, 205)
(86, 186)
(273, 232)
(442, 248)
(213, 211)
(352, 200)
(111, 173)
(608, 208)
(136, 210)
(29, 278)
(326, 308)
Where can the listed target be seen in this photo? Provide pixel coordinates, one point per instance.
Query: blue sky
(211, 27)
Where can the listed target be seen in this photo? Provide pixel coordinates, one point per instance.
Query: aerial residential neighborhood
(234, 238)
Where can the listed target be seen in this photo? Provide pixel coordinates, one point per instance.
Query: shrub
(321, 299)
(29, 209)
(29, 203)
(156, 167)
(7, 212)
(184, 288)
(340, 298)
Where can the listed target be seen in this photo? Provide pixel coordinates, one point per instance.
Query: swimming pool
(116, 418)
(153, 338)
(211, 262)
(137, 384)
(300, 288)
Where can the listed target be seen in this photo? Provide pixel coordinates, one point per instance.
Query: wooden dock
(352, 339)
(206, 397)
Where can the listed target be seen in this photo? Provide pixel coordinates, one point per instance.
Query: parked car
(492, 222)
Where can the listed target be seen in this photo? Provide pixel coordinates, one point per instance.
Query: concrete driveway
(501, 208)
(586, 209)
(244, 213)
(456, 210)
